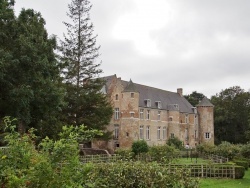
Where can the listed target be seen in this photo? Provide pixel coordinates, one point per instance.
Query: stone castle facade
(155, 115)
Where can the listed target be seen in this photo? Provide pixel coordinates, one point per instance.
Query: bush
(245, 151)
(239, 172)
(242, 163)
(125, 154)
(138, 174)
(175, 142)
(140, 146)
(163, 153)
(228, 150)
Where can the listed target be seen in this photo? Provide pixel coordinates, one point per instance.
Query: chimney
(180, 91)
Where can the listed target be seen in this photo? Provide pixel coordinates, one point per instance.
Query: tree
(232, 114)
(30, 82)
(86, 104)
(194, 98)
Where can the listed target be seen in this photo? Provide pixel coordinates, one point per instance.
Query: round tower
(205, 111)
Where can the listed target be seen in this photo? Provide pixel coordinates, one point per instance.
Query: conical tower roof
(205, 102)
(130, 87)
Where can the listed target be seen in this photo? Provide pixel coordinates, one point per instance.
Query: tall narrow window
(141, 113)
(164, 133)
(186, 134)
(116, 97)
(117, 113)
(195, 120)
(116, 131)
(159, 115)
(147, 132)
(195, 134)
(141, 132)
(148, 114)
(158, 133)
(186, 118)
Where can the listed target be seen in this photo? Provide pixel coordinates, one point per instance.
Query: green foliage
(125, 154)
(163, 153)
(176, 142)
(194, 98)
(242, 163)
(239, 172)
(228, 150)
(29, 75)
(54, 164)
(205, 148)
(231, 114)
(138, 174)
(245, 151)
(140, 146)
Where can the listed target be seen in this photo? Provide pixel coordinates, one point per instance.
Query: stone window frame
(141, 113)
(116, 131)
(207, 135)
(117, 113)
(159, 133)
(141, 132)
(164, 133)
(148, 132)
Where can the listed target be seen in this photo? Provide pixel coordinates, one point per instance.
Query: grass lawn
(184, 161)
(227, 183)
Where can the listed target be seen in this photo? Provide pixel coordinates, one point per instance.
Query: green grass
(227, 183)
(184, 161)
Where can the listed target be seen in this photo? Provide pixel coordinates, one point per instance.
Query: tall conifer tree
(86, 104)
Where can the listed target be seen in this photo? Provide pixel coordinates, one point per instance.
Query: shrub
(163, 153)
(126, 154)
(138, 174)
(242, 163)
(245, 151)
(140, 146)
(175, 142)
(205, 148)
(239, 172)
(228, 150)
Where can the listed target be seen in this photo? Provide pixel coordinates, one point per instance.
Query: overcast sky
(197, 45)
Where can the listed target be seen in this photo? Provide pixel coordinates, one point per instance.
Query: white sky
(197, 45)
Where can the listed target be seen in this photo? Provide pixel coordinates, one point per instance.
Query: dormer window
(158, 104)
(147, 102)
(176, 106)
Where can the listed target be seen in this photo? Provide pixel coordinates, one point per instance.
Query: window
(195, 134)
(186, 118)
(170, 118)
(141, 114)
(132, 114)
(158, 133)
(148, 102)
(164, 133)
(158, 104)
(116, 97)
(186, 134)
(141, 131)
(116, 131)
(132, 95)
(172, 135)
(148, 114)
(147, 132)
(117, 113)
(195, 120)
(207, 135)
(159, 115)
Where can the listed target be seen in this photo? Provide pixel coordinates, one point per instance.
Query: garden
(24, 163)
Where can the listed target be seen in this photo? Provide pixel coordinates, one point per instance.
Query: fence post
(233, 172)
(202, 170)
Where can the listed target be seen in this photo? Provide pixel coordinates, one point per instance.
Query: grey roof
(169, 100)
(205, 102)
(130, 87)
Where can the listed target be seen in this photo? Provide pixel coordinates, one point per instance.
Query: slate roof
(205, 102)
(168, 99)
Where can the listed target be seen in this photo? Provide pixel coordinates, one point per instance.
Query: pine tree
(86, 104)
